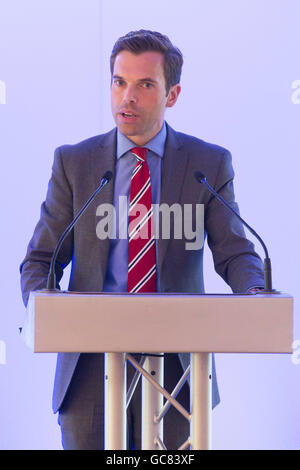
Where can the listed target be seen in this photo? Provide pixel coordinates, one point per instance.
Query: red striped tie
(141, 248)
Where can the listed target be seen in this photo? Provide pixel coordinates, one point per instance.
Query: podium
(121, 324)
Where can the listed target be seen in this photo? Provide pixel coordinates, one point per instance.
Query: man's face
(138, 95)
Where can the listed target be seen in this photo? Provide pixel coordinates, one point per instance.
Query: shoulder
(88, 145)
(213, 160)
(193, 143)
(200, 150)
(78, 158)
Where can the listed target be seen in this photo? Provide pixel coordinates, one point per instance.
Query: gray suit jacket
(76, 173)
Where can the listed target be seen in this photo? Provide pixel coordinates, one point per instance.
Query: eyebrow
(148, 79)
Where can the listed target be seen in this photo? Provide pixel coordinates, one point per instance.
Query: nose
(130, 95)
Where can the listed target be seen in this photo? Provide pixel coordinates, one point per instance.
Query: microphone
(201, 178)
(51, 281)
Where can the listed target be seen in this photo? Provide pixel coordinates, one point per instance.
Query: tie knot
(140, 153)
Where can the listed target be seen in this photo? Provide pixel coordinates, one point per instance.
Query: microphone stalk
(51, 281)
(201, 178)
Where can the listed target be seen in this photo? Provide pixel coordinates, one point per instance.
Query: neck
(141, 140)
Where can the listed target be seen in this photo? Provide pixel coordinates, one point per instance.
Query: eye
(147, 85)
(119, 82)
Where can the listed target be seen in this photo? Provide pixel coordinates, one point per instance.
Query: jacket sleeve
(56, 214)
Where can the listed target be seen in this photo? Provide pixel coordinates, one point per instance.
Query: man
(146, 70)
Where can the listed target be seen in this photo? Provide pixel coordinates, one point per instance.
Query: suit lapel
(102, 159)
(173, 173)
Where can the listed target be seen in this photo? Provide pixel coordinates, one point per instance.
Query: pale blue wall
(241, 60)
(50, 60)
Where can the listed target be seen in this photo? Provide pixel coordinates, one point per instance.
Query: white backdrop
(239, 90)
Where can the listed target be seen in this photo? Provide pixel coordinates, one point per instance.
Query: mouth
(128, 116)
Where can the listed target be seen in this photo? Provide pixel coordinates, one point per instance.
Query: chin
(128, 130)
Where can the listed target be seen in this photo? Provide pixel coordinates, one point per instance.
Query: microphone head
(200, 177)
(108, 176)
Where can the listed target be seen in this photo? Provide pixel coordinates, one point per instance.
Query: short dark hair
(145, 40)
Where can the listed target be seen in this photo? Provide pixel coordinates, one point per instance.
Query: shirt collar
(156, 145)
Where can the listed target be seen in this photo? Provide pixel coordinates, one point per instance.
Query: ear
(173, 95)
